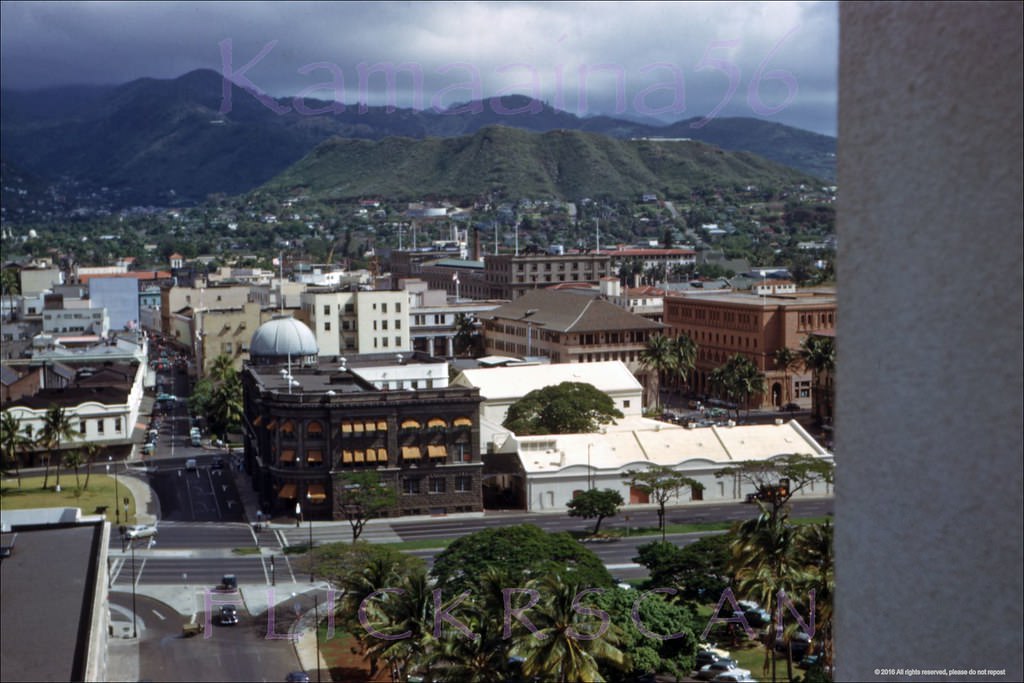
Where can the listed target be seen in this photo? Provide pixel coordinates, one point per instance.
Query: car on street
(191, 465)
(166, 397)
(228, 615)
(711, 671)
(705, 657)
(140, 531)
(735, 676)
(217, 463)
(297, 677)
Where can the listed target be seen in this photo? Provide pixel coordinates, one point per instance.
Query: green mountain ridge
(510, 162)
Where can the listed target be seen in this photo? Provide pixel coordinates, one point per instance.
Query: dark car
(228, 615)
(297, 677)
(217, 463)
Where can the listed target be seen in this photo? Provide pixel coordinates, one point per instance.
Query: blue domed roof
(283, 336)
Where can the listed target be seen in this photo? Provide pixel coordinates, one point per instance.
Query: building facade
(756, 327)
(310, 421)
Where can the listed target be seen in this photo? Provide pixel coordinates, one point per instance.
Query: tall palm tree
(786, 359)
(226, 405)
(815, 546)
(10, 286)
(684, 353)
(658, 357)
(380, 572)
(222, 368)
(765, 561)
(14, 441)
(818, 355)
(91, 451)
(74, 459)
(57, 427)
(737, 381)
(556, 652)
(409, 613)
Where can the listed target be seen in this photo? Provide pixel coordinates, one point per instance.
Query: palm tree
(818, 355)
(74, 459)
(815, 546)
(737, 381)
(465, 334)
(226, 405)
(556, 652)
(91, 451)
(410, 614)
(684, 353)
(13, 442)
(222, 369)
(659, 357)
(9, 287)
(765, 561)
(786, 359)
(57, 427)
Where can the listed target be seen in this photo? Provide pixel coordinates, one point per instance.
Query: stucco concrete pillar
(929, 404)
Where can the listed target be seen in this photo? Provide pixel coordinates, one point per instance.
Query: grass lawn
(32, 495)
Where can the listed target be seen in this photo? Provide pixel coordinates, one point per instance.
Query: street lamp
(309, 517)
(117, 512)
(135, 618)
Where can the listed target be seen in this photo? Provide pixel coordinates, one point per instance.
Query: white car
(734, 676)
(191, 465)
(713, 671)
(140, 531)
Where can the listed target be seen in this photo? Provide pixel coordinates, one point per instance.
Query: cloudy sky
(664, 60)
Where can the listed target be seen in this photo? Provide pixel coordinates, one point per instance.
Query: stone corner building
(309, 420)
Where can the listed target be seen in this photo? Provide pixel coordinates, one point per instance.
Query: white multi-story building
(350, 322)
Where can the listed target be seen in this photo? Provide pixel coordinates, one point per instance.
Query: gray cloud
(665, 59)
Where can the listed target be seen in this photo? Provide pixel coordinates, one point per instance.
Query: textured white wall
(929, 407)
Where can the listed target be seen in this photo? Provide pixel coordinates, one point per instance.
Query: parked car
(217, 463)
(228, 615)
(705, 657)
(735, 676)
(710, 671)
(191, 465)
(140, 531)
(297, 677)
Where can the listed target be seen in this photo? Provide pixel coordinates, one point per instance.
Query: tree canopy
(566, 408)
(660, 483)
(363, 496)
(598, 503)
(522, 550)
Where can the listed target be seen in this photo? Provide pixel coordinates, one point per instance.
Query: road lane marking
(159, 616)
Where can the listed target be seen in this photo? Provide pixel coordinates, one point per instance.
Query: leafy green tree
(224, 412)
(523, 550)
(797, 469)
(660, 483)
(670, 653)
(407, 610)
(818, 355)
(57, 428)
(684, 357)
(468, 339)
(10, 286)
(363, 496)
(700, 571)
(598, 503)
(90, 452)
(566, 408)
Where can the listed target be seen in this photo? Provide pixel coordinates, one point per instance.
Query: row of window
(414, 485)
(100, 426)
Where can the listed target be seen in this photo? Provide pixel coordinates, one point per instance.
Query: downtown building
(310, 419)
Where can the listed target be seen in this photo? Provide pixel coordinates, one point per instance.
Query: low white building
(500, 387)
(556, 467)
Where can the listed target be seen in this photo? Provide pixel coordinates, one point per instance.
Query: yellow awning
(316, 493)
(410, 424)
(462, 422)
(287, 426)
(346, 427)
(382, 425)
(382, 455)
(359, 456)
(436, 422)
(357, 427)
(315, 428)
(411, 453)
(287, 491)
(346, 456)
(314, 456)
(371, 426)
(287, 455)
(371, 455)
(437, 451)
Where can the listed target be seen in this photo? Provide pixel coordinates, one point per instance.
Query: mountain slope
(156, 141)
(517, 163)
